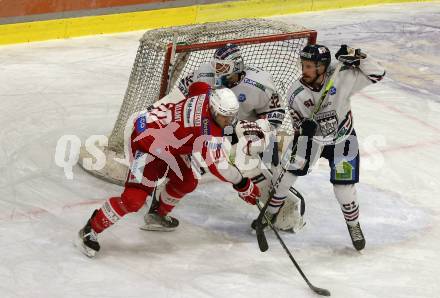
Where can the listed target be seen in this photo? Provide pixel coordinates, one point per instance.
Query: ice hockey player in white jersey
(258, 100)
(328, 131)
(253, 87)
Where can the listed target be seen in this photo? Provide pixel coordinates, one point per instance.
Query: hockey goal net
(166, 55)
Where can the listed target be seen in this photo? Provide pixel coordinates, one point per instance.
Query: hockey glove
(308, 128)
(348, 60)
(343, 50)
(247, 191)
(251, 136)
(349, 56)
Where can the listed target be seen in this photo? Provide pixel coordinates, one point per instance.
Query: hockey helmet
(227, 60)
(224, 102)
(317, 53)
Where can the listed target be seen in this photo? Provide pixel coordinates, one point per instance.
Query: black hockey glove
(348, 58)
(343, 50)
(308, 128)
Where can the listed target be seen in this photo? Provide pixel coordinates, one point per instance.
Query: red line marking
(420, 145)
(38, 211)
(394, 109)
(408, 116)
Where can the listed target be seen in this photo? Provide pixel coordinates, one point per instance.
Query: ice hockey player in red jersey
(163, 136)
(260, 105)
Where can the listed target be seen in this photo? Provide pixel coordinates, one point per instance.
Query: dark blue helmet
(316, 53)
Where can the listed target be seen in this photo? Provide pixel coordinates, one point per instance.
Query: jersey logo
(141, 124)
(242, 97)
(253, 83)
(189, 112)
(298, 90)
(309, 103)
(206, 129)
(189, 115)
(328, 123)
(332, 91)
(344, 171)
(294, 94)
(178, 112)
(205, 74)
(198, 113)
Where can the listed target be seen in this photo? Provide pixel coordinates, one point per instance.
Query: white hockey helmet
(224, 102)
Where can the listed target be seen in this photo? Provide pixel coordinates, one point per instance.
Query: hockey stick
(319, 291)
(259, 227)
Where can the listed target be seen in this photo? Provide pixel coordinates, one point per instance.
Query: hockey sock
(169, 198)
(347, 198)
(107, 214)
(275, 204)
(131, 200)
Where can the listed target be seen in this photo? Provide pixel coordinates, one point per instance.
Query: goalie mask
(224, 106)
(227, 63)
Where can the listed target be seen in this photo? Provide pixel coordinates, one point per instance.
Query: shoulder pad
(297, 89)
(259, 78)
(204, 71)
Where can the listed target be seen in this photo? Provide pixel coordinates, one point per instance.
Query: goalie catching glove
(253, 136)
(247, 191)
(349, 56)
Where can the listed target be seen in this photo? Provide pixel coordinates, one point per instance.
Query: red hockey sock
(108, 214)
(169, 198)
(131, 200)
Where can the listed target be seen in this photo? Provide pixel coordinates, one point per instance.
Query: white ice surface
(75, 87)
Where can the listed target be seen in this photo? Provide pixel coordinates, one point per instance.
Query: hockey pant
(344, 161)
(145, 172)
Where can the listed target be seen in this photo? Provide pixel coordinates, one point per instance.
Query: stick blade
(320, 291)
(261, 239)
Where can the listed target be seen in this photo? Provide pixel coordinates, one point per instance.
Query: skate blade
(156, 228)
(78, 243)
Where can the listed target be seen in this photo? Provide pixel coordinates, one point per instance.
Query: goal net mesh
(270, 45)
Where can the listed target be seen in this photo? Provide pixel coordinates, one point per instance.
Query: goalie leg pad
(291, 215)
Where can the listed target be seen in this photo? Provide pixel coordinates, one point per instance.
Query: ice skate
(87, 240)
(155, 222)
(357, 237)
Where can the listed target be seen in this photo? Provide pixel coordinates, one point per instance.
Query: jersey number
(275, 102)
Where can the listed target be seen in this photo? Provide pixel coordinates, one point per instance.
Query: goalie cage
(176, 51)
